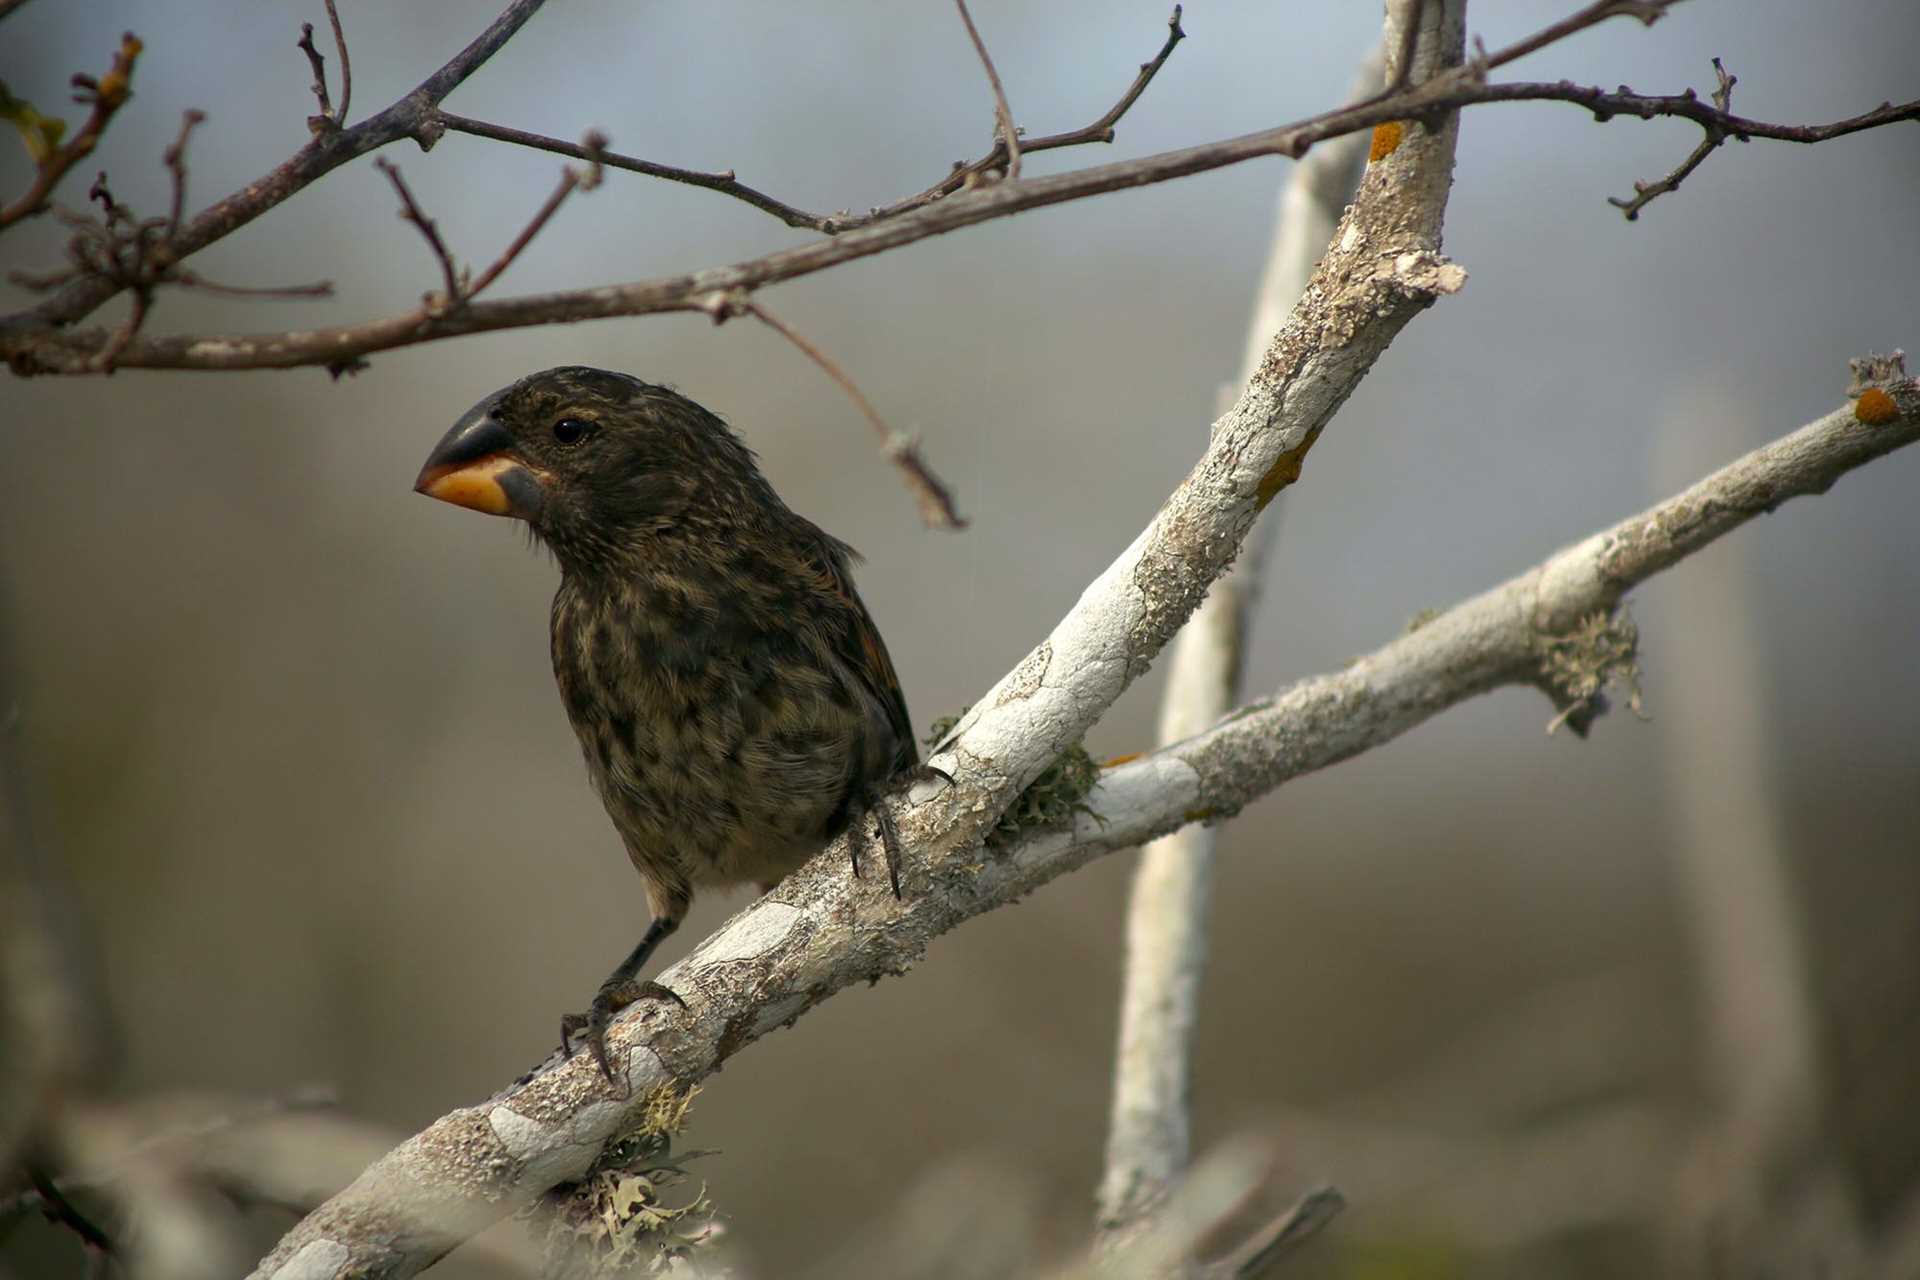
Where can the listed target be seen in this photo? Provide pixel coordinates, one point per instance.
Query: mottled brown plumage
(735, 704)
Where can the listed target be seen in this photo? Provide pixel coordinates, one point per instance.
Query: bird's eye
(572, 430)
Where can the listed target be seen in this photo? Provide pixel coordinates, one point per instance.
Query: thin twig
(123, 336)
(1647, 12)
(411, 211)
(1280, 1237)
(728, 184)
(1713, 135)
(175, 158)
(409, 117)
(1002, 113)
(346, 67)
(106, 96)
(932, 495)
(191, 280)
(58, 1208)
(594, 145)
(42, 340)
(324, 120)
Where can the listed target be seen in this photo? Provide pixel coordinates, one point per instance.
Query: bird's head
(595, 462)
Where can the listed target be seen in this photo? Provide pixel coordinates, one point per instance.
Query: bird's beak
(475, 465)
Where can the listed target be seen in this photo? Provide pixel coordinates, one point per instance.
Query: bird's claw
(600, 1014)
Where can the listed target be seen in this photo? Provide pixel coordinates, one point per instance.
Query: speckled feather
(731, 694)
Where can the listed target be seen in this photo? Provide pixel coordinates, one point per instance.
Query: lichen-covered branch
(1148, 1143)
(763, 970)
(821, 930)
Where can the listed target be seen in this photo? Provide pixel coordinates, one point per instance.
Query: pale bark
(1148, 1140)
(821, 930)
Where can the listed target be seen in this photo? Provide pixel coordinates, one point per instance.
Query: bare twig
(1279, 1237)
(328, 120)
(728, 184)
(932, 495)
(1715, 134)
(594, 145)
(324, 121)
(191, 280)
(1647, 12)
(1002, 114)
(33, 342)
(58, 1208)
(1101, 130)
(142, 306)
(724, 182)
(175, 159)
(53, 159)
(410, 117)
(411, 211)
(346, 65)
(821, 930)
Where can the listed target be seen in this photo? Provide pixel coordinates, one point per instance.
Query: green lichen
(1052, 798)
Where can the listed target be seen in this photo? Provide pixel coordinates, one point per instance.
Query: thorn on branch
(902, 450)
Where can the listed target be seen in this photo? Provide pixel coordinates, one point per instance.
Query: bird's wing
(864, 652)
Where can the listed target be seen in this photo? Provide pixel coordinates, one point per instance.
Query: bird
(733, 699)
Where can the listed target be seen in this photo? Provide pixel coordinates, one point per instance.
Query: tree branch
(52, 158)
(1148, 1135)
(31, 344)
(1009, 134)
(410, 117)
(727, 183)
(753, 977)
(929, 491)
(821, 930)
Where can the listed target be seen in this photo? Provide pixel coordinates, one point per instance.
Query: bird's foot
(609, 1001)
(873, 802)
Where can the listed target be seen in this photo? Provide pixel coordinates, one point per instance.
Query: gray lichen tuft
(617, 1220)
(1578, 667)
(1052, 798)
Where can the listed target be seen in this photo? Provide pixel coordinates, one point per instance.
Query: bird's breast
(711, 738)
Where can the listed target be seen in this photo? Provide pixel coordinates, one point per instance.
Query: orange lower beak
(475, 465)
(476, 485)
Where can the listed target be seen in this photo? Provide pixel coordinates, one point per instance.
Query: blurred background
(1527, 1000)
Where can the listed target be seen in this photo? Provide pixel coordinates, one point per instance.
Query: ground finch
(735, 704)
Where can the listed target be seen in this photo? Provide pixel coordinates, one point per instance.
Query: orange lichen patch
(475, 485)
(116, 86)
(1284, 471)
(1114, 762)
(1875, 407)
(1386, 140)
